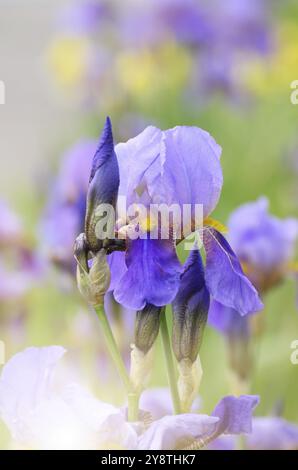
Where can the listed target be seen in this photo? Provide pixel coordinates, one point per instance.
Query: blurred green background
(259, 139)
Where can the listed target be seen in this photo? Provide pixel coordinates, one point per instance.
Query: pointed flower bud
(146, 331)
(103, 190)
(93, 282)
(190, 309)
(147, 327)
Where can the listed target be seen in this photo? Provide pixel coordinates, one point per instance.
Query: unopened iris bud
(147, 327)
(93, 282)
(190, 309)
(102, 192)
(190, 312)
(146, 332)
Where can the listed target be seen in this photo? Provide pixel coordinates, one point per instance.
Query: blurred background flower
(222, 66)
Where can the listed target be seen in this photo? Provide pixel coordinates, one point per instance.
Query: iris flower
(265, 246)
(41, 414)
(64, 215)
(177, 166)
(268, 433)
(20, 266)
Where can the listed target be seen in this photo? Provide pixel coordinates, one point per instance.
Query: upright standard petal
(176, 166)
(140, 163)
(152, 276)
(191, 171)
(103, 187)
(224, 277)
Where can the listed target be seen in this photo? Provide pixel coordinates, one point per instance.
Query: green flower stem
(170, 363)
(133, 406)
(112, 347)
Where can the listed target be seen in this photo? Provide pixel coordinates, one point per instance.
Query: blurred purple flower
(264, 244)
(273, 433)
(153, 22)
(65, 213)
(268, 433)
(218, 33)
(242, 25)
(20, 265)
(228, 321)
(11, 229)
(83, 16)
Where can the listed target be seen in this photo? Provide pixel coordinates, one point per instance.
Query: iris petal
(224, 277)
(235, 414)
(152, 276)
(116, 262)
(103, 185)
(176, 166)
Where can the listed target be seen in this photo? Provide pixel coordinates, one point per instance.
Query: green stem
(133, 406)
(170, 363)
(112, 347)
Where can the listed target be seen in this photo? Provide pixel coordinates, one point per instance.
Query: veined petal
(224, 277)
(172, 432)
(139, 163)
(152, 276)
(176, 166)
(191, 172)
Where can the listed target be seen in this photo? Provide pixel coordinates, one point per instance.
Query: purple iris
(20, 266)
(268, 433)
(64, 216)
(158, 20)
(265, 246)
(243, 25)
(177, 166)
(218, 32)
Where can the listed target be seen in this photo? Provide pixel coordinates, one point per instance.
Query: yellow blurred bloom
(267, 76)
(150, 71)
(68, 59)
